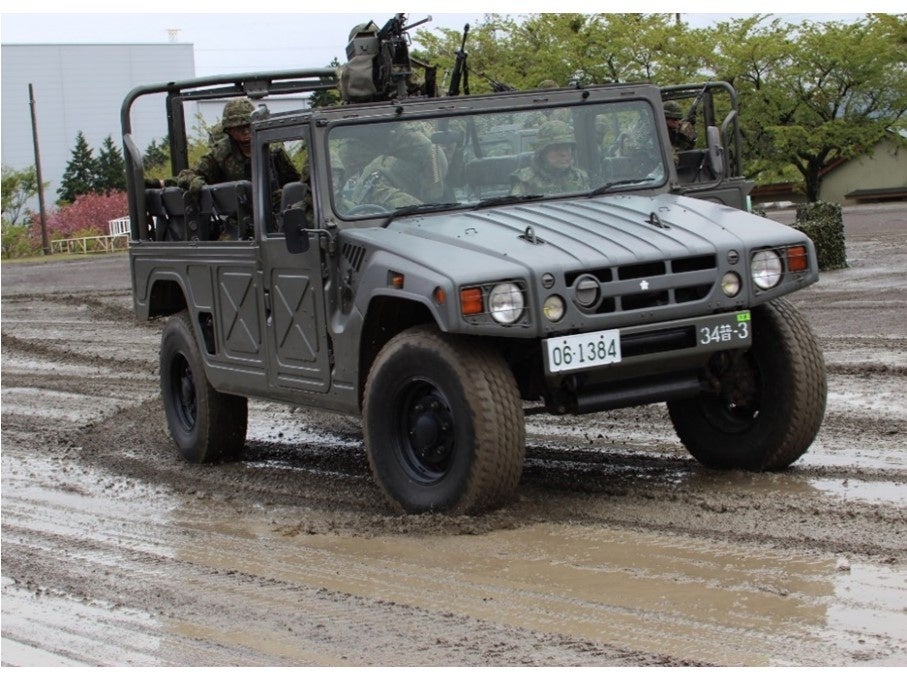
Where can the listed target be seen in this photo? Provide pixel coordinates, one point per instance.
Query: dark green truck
(445, 320)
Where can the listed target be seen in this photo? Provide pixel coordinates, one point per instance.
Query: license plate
(728, 330)
(584, 350)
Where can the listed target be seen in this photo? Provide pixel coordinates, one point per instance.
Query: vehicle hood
(577, 234)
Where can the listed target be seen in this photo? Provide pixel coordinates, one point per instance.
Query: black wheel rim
(738, 404)
(182, 391)
(426, 438)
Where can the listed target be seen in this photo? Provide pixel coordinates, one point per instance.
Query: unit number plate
(729, 330)
(584, 350)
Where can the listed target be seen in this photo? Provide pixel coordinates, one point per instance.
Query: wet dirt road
(619, 550)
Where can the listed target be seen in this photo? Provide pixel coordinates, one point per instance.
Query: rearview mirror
(295, 230)
(715, 151)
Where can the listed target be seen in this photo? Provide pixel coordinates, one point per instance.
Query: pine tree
(79, 176)
(110, 169)
(156, 154)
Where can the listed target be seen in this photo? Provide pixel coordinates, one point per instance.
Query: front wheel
(206, 425)
(443, 424)
(768, 403)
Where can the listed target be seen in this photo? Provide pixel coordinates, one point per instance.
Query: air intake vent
(354, 255)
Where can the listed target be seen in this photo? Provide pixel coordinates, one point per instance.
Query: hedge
(823, 223)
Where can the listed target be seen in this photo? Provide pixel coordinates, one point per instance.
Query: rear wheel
(443, 424)
(206, 425)
(769, 402)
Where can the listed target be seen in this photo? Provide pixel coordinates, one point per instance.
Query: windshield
(401, 167)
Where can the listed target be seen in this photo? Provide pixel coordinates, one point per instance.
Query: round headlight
(730, 284)
(553, 309)
(766, 269)
(586, 291)
(506, 303)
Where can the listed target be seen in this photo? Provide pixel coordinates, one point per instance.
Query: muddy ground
(619, 550)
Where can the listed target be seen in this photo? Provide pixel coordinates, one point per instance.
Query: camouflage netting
(823, 223)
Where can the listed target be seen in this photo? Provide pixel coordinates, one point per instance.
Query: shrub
(15, 241)
(88, 214)
(824, 224)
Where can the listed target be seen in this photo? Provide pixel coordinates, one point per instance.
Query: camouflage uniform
(411, 174)
(541, 177)
(226, 162)
(683, 135)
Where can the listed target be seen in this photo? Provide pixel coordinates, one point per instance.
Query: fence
(116, 238)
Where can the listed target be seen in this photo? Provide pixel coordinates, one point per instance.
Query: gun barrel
(418, 23)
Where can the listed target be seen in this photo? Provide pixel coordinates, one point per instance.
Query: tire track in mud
(619, 550)
(133, 565)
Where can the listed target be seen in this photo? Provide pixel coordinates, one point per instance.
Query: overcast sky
(226, 41)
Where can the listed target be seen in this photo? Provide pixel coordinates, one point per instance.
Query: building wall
(81, 87)
(884, 168)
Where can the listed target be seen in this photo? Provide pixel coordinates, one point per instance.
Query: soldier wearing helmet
(229, 159)
(681, 132)
(408, 170)
(552, 170)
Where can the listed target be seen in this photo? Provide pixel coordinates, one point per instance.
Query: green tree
(19, 186)
(156, 159)
(156, 154)
(110, 169)
(328, 97)
(814, 94)
(79, 176)
(591, 48)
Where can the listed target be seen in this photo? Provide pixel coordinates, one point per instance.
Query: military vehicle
(444, 310)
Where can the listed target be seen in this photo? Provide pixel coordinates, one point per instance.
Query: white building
(80, 87)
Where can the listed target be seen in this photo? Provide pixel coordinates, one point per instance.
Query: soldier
(681, 132)
(552, 170)
(230, 157)
(410, 172)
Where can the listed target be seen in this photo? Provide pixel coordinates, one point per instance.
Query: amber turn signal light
(471, 301)
(797, 260)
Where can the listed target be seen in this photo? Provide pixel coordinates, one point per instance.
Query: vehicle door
(292, 284)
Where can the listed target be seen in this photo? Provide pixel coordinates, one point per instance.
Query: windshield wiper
(505, 200)
(417, 208)
(604, 188)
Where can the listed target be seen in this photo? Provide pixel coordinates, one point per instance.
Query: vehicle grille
(657, 283)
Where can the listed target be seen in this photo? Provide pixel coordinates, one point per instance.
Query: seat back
(229, 205)
(490, 176)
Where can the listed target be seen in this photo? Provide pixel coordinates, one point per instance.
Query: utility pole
(45, 244)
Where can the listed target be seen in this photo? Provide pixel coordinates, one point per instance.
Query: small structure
(116, 238)
(879, 175)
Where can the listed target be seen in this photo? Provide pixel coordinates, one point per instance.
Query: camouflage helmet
(672, 110)
(237, 112)
(547, 84)
(554, 132)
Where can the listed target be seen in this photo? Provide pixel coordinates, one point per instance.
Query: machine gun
(461, 73)
(394, 39)
(690, 117)
(460, 70)
(379, 65)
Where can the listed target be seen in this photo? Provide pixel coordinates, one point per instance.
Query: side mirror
(715, 151)
(295, 230)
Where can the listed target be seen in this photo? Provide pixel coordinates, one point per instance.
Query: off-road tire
(771, 403)
(443, 424)
(206, 425)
